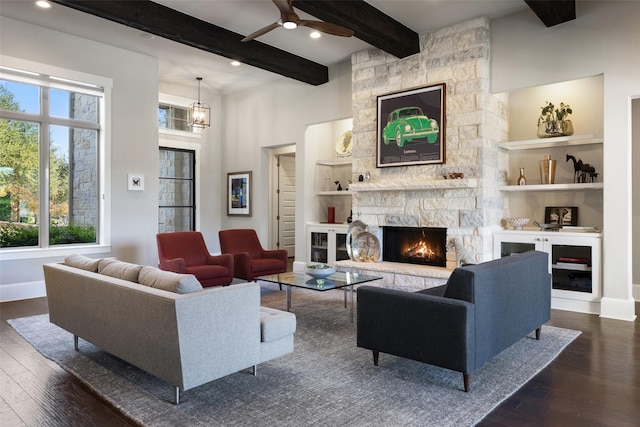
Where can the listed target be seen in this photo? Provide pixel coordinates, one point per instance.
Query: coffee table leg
(288, 298)
(351, 292)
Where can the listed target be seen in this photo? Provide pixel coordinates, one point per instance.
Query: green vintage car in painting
(409, 123)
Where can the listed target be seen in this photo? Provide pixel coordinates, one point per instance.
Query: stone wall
(475, 121)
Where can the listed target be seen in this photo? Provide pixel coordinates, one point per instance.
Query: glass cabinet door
(341, 247)
(319, 246)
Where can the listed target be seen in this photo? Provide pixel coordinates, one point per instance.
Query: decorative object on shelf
(360, 178)
(339, 186)
(367, 176)
(463, 256)
(582, 172)
(199, 114)
(344, 144)
(547, 170)
(411, 127)
(516, 223)
(521, 179)
(549, 227)
(350, 217)
(561, 215)
(239, 194)
(355, 227)
(331, 215)
(366, 247)
(553, 123)
(454, 175)
(319, 271)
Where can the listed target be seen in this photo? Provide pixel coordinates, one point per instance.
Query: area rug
(326, 381)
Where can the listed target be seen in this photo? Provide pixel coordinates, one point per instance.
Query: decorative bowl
(517, 223)
(319, 271)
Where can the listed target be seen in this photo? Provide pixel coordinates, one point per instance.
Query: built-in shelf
(333, 193)
(560, 141)
(554, 187)
(335, 162)
(413, 184)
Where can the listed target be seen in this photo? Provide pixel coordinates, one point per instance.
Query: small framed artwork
(561, 215)
(239, 194)
(135, 182)
(411, 127)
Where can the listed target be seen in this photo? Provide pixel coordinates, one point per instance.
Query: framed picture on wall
(239, 194)
(411, 127)
(561, 215)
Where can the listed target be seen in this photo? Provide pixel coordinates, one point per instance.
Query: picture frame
(412, 127)
(561, 215)
(239, 199)
(135, 182)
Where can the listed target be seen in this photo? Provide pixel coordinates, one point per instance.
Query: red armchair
(249, 258)
(185, 252)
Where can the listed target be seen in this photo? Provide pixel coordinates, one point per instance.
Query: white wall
(636, 199)
(600, 41)
(278, 114)
(134, 136)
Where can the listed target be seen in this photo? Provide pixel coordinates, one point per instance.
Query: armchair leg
(538, 331)
(467, 381)
(376, 355)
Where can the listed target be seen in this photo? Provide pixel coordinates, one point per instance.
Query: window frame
(21, 70)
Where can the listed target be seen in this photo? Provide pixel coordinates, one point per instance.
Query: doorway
(284, 190)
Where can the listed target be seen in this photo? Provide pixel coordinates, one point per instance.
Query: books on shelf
(572, 266)
(573, 260)
(578, 229)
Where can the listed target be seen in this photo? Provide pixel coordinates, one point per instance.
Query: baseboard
(299, 266)
(579, 306)
(24, 290)
(617, 308)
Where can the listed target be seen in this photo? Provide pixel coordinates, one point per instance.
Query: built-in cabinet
(327, 243)
(574, 263)
(330, 174)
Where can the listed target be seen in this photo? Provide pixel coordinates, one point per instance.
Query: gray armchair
(482, 310)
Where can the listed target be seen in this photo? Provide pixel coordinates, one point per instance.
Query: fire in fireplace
(415, 245)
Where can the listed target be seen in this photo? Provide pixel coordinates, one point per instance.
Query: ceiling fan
(290, 20)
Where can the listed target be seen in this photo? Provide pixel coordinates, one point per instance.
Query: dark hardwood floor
(594, 382)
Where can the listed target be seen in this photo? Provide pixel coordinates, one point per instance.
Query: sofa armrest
(242, 265)
(280, 254)
(177, 265)
(225, 260)
(428, 328)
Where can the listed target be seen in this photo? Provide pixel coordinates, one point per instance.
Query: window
(172, 117)
(50, 136)
(176, 198)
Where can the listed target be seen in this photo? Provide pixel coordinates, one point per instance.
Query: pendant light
(199, 113)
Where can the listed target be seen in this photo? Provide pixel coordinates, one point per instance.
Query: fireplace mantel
(413, 184)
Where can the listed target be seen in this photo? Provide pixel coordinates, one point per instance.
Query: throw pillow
(82, 262)
(169, 281)
(119, 269)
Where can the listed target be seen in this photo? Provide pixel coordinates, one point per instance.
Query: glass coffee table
(336, 281)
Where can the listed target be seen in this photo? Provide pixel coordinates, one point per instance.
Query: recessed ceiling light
(315, 35)
(236, 63)
(147, 36)
(43, 4)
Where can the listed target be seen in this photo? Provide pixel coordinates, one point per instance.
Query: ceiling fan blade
(285, 6)
(262, 31)
(327, 27)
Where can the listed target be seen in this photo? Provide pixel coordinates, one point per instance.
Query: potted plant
(553, 121)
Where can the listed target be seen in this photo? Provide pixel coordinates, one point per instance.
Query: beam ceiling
(553, 12)
(369, 23)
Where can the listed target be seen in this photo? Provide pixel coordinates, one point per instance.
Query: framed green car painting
(411, 127)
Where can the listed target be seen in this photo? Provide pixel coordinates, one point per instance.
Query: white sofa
(185, 339)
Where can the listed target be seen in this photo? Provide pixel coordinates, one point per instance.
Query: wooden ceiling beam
(370, 24)
(553, 12)
(171, 24)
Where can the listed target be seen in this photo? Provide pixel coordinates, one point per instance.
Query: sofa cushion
(168, 280)
(275, 324)
(119, 269)
(82, 262)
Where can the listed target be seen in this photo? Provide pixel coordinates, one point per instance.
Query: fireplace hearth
(415, 245)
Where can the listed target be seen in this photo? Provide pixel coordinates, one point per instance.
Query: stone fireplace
(415, 245)
(418, 196)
